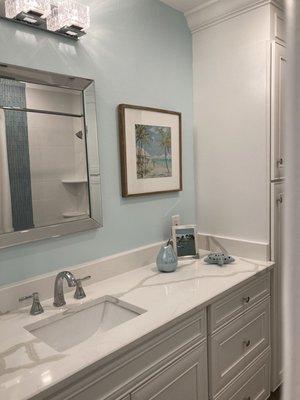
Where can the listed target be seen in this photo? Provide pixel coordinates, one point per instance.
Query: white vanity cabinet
(238, 342)
(171, 365)
(220, 352)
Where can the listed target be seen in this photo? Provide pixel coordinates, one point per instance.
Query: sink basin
(75, 325)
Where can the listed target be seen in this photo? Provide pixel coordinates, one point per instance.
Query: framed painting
(151, 153)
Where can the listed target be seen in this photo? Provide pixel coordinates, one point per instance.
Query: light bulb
(69, 17)
(32, 11)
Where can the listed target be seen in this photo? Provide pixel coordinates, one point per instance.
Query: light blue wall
(138, 52)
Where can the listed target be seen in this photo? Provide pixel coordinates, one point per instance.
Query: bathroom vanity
(200, 333)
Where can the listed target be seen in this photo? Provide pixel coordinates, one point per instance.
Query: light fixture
(30, 11)
(69, 17)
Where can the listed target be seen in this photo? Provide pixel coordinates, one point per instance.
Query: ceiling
(184, 5)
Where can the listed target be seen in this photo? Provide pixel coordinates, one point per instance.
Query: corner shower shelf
(74, 181)
(73, 214)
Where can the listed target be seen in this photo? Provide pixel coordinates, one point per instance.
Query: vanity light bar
(31, 11)
(69, 17)
(64, 17)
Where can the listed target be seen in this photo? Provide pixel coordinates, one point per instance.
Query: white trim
(103, 268)
(234, 246)
(214, 12)
(206, 4)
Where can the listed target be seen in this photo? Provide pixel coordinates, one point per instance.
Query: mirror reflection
(44, 177)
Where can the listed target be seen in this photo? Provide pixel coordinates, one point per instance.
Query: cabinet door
(276, 254)
(278, 110)
(185, 379)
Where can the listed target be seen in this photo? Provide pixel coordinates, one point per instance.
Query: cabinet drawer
(238, 344)
(233, 305)
(185, 379)
(253, 384)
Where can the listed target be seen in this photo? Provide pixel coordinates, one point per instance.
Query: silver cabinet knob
(279, 199)
(280, 162)
(79, 292)
(246, 299)
(36, 307)
(247, 343)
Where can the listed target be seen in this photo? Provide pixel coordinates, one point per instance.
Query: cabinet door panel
(276, 254)
(184, 379)
(125, 372)
(278, 110)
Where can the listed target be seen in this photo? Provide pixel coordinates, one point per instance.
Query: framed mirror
(49, 159)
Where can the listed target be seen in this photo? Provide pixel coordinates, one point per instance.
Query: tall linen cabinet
(277, 200)
(239, 91)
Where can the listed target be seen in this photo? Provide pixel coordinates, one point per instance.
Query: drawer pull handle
(247, 398)
(247, 343)
(246, 300)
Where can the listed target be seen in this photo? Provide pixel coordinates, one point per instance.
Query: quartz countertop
(28, 366)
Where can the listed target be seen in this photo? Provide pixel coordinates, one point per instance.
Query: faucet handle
(36, 307)
(79, 292)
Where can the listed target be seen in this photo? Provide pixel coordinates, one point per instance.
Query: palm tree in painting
(142, 138)
(140, 135)
(165, 142)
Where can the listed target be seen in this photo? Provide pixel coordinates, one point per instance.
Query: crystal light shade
(69, 17)
(27, 10)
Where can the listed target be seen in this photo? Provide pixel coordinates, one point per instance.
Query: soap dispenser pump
(167, 260)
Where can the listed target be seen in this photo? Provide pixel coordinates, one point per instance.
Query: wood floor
(275, 395)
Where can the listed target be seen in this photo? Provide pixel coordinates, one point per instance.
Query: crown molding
(213, 12)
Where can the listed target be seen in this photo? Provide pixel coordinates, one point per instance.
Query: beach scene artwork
(185, 242)
(153, 151)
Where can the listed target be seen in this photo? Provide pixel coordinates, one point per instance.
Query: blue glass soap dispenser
(167, 260)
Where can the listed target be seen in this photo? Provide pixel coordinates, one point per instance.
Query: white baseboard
(242, 248)
(99, 270)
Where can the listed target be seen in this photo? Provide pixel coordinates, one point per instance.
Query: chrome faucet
(59, 298)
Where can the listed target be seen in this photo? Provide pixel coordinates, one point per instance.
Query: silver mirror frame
(87, 87)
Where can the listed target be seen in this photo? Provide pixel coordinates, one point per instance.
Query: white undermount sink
(75, 325)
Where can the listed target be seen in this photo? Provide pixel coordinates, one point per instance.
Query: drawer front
(233, 305)
(185, 379)
(238, 344)
(253, 384)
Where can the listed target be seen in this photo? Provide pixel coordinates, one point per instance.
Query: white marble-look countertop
(28, 366)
